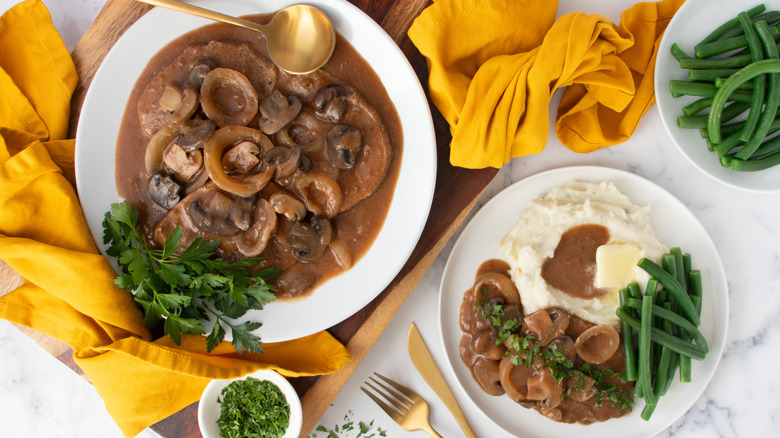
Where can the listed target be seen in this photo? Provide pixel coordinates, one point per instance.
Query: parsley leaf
(187, 287)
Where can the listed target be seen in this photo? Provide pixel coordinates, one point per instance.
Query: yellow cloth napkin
(495, 64)
(68, 289)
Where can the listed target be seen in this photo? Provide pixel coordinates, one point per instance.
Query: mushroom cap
(277, 110)
(164, 190)
(308, 239)
(344, 144)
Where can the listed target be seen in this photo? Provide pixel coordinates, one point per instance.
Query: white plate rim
(693, 21)
(343, 295)
(466, 256)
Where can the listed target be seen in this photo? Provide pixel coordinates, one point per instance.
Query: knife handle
(422, 359)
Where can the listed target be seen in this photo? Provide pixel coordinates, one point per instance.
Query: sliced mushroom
(156, 147)
(320, 193)
(254, 240)
(171, 98)
(540, 324)
(181, 164)
(597, 344)
(330, 103)
(286, 160)
(306, 131)
(228, 98)
(189, 103)
(344, 145)
(484, 343)
(164, 190)
(212, 160)
(241, 212)
(278, 110)
(194, 133)
(199, 71)
(309, 239)
(241, 158)
(486, 373)
(197, 181)
(544, 387)
(210, 211)
(288, 206)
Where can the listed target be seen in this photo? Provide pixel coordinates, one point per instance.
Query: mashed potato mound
(538, 231)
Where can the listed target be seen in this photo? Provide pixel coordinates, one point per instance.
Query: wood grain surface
(456, 192)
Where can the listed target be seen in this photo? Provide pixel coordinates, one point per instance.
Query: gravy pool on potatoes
(298, 170)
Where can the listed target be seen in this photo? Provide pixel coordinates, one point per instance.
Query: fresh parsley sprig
(186, 288)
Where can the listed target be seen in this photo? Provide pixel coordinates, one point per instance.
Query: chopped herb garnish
(253, 408)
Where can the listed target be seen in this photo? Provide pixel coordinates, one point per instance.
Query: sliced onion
(243, 185)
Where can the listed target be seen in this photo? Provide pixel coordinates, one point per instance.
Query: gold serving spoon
(300, 38)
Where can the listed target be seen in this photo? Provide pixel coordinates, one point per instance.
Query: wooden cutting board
(456, 192)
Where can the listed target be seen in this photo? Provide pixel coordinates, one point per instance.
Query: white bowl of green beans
(717, 86)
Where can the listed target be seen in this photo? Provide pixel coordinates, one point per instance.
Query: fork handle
(432, 432)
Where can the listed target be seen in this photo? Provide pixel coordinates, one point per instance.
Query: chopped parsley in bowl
(262, 404)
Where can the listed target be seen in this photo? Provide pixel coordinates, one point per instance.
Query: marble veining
(40, 397)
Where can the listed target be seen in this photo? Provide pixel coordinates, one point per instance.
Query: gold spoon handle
(178, 6)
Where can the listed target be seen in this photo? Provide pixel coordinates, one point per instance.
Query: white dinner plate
(674, 225)
(343, 295)
(693, 21)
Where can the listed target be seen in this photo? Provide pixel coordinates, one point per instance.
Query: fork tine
(400, 404)
(408, 403)
(411, 395)
(385, 407)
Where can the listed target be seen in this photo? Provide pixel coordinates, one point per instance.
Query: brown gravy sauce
(572, 268)
(357, 227)
(566, 400)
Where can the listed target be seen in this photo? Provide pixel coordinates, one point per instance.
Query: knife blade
(423, 361)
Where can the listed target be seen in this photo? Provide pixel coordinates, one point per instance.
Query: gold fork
(408, 409)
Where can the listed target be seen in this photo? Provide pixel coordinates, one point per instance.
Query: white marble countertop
(39, 396)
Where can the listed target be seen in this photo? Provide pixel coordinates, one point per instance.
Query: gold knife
(424, 363)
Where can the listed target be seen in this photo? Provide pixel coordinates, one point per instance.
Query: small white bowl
(209, 408)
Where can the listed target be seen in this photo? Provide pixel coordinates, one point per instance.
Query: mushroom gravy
(298, 170)
(539, 359)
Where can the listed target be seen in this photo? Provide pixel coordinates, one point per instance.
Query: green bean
(747, 86)
(725, 27)
(699, 74)
(665, 361)
(704, 89)
(627, 336)
(727, 145)
(720, 47)
(674, 288)
(682, 276)
(678, 320)
(752, 165)
(759, 83)
(678, 53)
(645, 331)
(745, 74)
(768, 147)
(737, 61)
(730, 112)
(674, 343)
(697, 106)
(772, 98)
(770, 17)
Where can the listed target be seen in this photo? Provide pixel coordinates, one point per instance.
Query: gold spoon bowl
(300, 38)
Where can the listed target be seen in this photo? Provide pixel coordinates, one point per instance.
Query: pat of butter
(615, 265)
